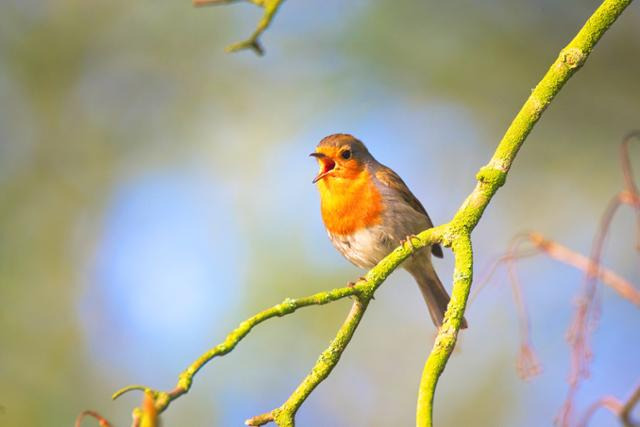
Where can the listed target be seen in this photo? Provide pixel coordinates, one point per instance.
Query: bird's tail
(432, 289)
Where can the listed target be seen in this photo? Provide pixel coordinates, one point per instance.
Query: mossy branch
(363, 291)
(288, 306)
(490, 178)
(284, 416)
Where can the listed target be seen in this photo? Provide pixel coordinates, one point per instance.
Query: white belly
(366, 247)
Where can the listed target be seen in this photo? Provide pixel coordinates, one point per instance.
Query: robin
(368, 211)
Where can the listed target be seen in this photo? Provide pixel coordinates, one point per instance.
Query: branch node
(270, 8)
(572, 57)
(251, 43)
(287, 306)
(185, 380)
(491, 176)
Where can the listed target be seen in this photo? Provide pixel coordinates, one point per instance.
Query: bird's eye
(346, 154)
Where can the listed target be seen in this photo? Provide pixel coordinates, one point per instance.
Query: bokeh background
(155, 191)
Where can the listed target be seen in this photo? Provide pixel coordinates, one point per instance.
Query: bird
(368, 211)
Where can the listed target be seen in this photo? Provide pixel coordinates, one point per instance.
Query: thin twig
(616, 407)
(632, 401)
(619, 284)
(608, 402)
(586, 314)
(527, 362)
(253, 42)
(286, 307)
(632, 195)
(584, 320)
(101, 420)
(284, 416)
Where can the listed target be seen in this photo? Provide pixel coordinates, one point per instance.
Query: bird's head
(341, 156)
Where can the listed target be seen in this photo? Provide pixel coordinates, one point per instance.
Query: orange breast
(349, 205)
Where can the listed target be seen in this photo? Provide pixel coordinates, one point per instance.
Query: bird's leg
(408, 241)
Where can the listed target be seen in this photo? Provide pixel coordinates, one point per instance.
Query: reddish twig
(586, 314)
(585, 317)
(608, 402)
(561, 253)
(631, 195)
(632, 401)
(102, 422)
(527, 362)
(144, 416)
(616, 407)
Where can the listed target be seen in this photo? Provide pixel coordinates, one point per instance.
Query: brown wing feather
(391, 179)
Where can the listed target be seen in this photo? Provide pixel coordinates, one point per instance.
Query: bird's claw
(408, 240)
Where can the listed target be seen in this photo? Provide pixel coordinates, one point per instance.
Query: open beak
(326, 164)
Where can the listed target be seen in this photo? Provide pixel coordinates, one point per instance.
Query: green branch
(284, 416)
(490, 178)
(253, 42)
(363, 291)
(288, 306)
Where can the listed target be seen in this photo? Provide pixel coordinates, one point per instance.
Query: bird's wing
(391, 179)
